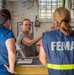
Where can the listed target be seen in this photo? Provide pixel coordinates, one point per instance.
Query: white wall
(18, 14)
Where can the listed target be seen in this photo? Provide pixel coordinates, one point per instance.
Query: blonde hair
(62, 17)
(53, 26)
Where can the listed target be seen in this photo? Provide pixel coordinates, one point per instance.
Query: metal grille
(72, 11)
(1, 4)
(47, 7)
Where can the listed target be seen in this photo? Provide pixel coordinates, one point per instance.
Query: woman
(57, 52)
(7, 44)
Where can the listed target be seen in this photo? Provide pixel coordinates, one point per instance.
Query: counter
(33, 68)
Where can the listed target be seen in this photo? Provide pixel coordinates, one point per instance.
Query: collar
(57, 28)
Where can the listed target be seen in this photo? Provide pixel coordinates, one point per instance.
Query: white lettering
(60, 46)
(66, 45)
(53, 45)
(72, 45)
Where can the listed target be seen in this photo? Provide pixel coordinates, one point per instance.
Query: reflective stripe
(61, 66)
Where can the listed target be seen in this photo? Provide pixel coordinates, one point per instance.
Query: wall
(18, 14)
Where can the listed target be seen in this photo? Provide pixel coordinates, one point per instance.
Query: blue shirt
(5, 34)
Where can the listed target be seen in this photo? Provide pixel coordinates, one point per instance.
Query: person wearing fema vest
(57, 48)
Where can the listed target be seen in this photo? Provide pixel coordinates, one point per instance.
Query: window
(47, 7)
(72, 11)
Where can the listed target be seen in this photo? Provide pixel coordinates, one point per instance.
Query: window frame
(50, 19)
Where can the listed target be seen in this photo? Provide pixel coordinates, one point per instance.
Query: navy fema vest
(59, 49)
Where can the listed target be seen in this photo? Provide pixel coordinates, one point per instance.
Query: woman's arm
(42, 56)
(10, 44)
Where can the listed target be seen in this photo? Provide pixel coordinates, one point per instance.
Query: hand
(45, 30)
(9, 70)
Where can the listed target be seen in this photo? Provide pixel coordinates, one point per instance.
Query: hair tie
(64, 21)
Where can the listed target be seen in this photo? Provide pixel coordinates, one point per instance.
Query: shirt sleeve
(9, 34)
(41, 44)
(20, 37)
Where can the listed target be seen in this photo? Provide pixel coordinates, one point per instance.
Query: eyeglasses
(11, 19)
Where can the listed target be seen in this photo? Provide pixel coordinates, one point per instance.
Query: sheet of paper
(20, 61)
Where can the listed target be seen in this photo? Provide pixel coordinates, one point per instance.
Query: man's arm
(29, 42)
